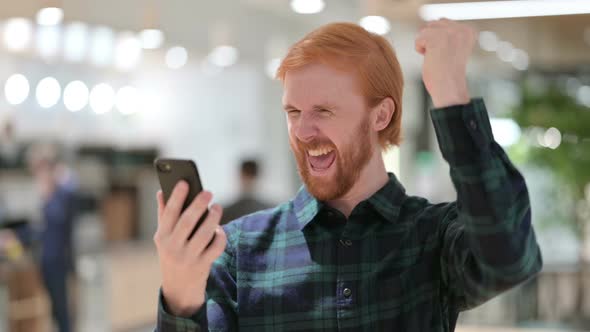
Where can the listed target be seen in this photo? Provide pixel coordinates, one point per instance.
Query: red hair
(349, 47)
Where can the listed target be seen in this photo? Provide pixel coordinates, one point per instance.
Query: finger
(163, 227)
(423, 39)
(206, 230)
(474, 33)
(420, 45)
(174, 205)
(189, 218)
(160, 200)
(441, 22)
(216, 248)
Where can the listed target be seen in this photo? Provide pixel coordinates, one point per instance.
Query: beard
(349, 162)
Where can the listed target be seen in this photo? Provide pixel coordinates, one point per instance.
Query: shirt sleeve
(488, 243)
(170, 323)
(220, 311)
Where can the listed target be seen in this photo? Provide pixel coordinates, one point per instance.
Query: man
(247, 202)
(352, 251)
(56, 236)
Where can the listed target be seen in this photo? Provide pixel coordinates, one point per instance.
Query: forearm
(490, 245)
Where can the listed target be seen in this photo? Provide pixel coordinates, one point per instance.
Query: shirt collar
(386, 201)
(305, 206)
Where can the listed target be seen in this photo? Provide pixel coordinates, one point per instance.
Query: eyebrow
(318, 107)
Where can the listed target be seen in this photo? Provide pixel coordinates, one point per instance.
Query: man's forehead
(319, 98)
(322, 83)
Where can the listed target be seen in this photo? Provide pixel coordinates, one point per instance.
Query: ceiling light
(503, 9)
(47, 40)
(16, 89)
(376, 24)
(223, 56)
(307, 6)
(102, 98)
(176, 57)
(75, 41)
(127, 51)
(75, 96)
(48, 92)
(50, 16)
(151, 38)
(17, 33)
(101, 46)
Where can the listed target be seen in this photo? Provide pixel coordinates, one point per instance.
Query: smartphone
(171, 171)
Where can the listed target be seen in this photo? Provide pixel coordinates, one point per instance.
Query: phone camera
(164, 167)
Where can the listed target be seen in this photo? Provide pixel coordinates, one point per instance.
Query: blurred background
(94, 91)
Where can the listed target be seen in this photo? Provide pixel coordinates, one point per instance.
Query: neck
(372, 178)
(247, 186)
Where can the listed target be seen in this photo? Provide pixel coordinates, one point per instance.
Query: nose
(305, 128)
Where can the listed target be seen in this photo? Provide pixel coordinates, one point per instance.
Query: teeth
(319, 152)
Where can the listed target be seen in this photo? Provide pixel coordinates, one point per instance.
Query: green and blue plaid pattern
(398, 263)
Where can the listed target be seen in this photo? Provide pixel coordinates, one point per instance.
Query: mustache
(315, 144)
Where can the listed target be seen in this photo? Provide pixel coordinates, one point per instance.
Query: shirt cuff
(170, 323)
(463, 131)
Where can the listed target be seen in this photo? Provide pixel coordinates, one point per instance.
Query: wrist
(180, 308)
(451, 94)
(451, 101)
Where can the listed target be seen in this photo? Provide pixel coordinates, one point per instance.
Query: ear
(382, 114)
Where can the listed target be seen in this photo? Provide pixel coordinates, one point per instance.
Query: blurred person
(352, 251)
(247, 202)
(9, 146)
(56, 260)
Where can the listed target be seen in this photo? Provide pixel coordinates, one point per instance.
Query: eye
(325, 112)
(293, 113)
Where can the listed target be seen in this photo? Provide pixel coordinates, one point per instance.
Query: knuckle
(221, 233)
(216, 210)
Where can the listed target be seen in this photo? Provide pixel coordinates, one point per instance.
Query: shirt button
(346, 243)
(347, 292)
(472, 124)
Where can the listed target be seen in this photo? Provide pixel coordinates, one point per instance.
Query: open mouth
(320, 160)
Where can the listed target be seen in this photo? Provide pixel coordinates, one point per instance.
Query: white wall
(214, 119)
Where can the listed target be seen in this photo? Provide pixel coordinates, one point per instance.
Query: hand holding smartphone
(188, 238)
(172, 171)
